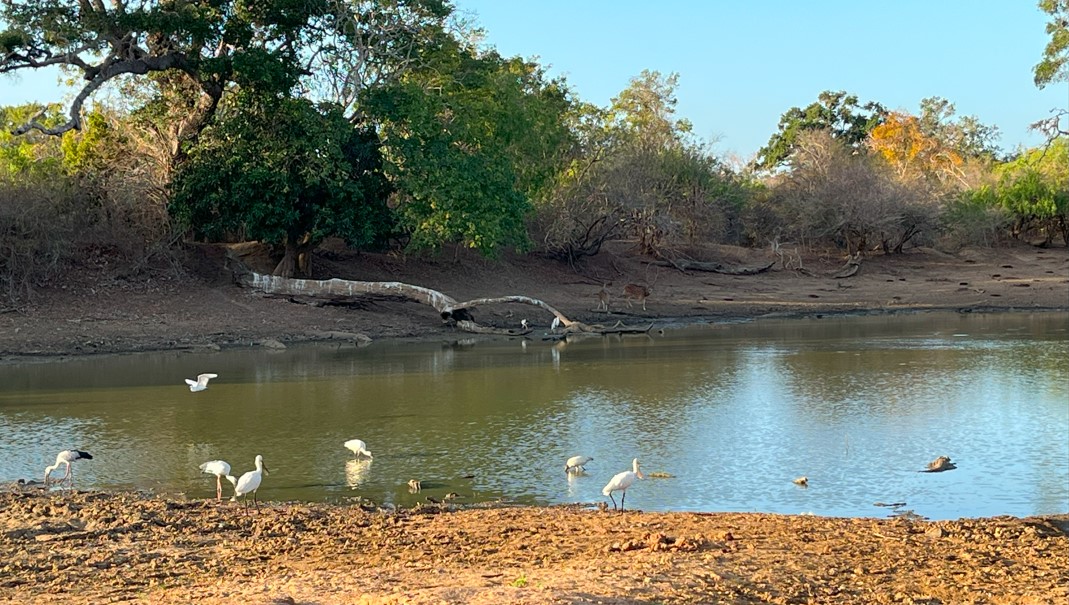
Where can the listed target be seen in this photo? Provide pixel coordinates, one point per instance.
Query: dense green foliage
(469, 141)
(285, 172)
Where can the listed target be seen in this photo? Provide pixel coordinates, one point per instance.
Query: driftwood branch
(342, 290)
(693, 265)
(852, 266)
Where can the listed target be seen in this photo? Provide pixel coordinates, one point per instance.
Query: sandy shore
(105, 548)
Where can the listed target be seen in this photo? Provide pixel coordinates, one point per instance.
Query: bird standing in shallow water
(250, 482)
(66, 457)
(620, 482)
(201, 382)
(358, 447)
(575, 464)
(220, 469)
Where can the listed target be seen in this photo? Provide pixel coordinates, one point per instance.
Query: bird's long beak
(265, 470)
(640, 475)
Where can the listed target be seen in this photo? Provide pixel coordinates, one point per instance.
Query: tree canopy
(286, 172)
(468, 142)
(331, 46)
(840, 113)
(1054, 66)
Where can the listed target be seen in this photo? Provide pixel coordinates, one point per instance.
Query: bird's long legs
(613, 501)
(623, 497)
(218, 488)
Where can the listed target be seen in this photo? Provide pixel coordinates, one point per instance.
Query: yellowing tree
(912, 152)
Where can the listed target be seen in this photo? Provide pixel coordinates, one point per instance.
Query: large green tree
(839, 113)
(286, 172)
(469, 141)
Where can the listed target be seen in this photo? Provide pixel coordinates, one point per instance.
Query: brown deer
(636, 292)
(603, 298)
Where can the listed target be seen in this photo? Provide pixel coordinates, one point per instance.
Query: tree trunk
(297, 260)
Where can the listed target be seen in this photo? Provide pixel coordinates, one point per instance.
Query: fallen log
(449, 309)
(711, 267)
(850, 269)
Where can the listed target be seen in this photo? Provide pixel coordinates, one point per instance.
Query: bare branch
(107, 72)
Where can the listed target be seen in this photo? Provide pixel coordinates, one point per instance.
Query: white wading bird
(575, 464)
(201, 382)
(621, 482)
(66, 457)
(220, 469)
(250, 482)
(357, 447)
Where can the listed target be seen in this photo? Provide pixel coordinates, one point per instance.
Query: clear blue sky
(743, 64)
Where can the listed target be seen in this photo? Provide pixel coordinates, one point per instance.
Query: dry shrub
(39, 227)
(833, 195)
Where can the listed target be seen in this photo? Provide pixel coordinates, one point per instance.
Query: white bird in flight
(620, 482)
(250, 482)
(201, 382)
(220, 469)
(357, 447)
(575, 464)
(66, 457)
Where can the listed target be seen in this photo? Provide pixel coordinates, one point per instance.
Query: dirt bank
(97, 311)
(98, 548)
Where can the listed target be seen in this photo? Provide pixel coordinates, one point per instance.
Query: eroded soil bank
(98, 310)
(101, 548)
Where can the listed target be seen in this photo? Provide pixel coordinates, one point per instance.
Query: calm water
(734, 412)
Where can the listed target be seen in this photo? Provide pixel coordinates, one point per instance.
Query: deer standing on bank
(637, 293)
(603, 298)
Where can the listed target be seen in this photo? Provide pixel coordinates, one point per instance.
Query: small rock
(271, 343)
(935, 532)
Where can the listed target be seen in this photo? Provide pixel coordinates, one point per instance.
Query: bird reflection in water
(357, 471)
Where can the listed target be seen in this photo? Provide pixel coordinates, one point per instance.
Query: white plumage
(250, 482)
(201, 382)
(575, 464)
(620, 482)
(220, 469)
(357, 447)
(555, 324)
(66, 457)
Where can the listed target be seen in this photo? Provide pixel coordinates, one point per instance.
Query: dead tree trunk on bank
(448, 308)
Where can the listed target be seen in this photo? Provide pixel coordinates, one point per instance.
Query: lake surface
(733, 412)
